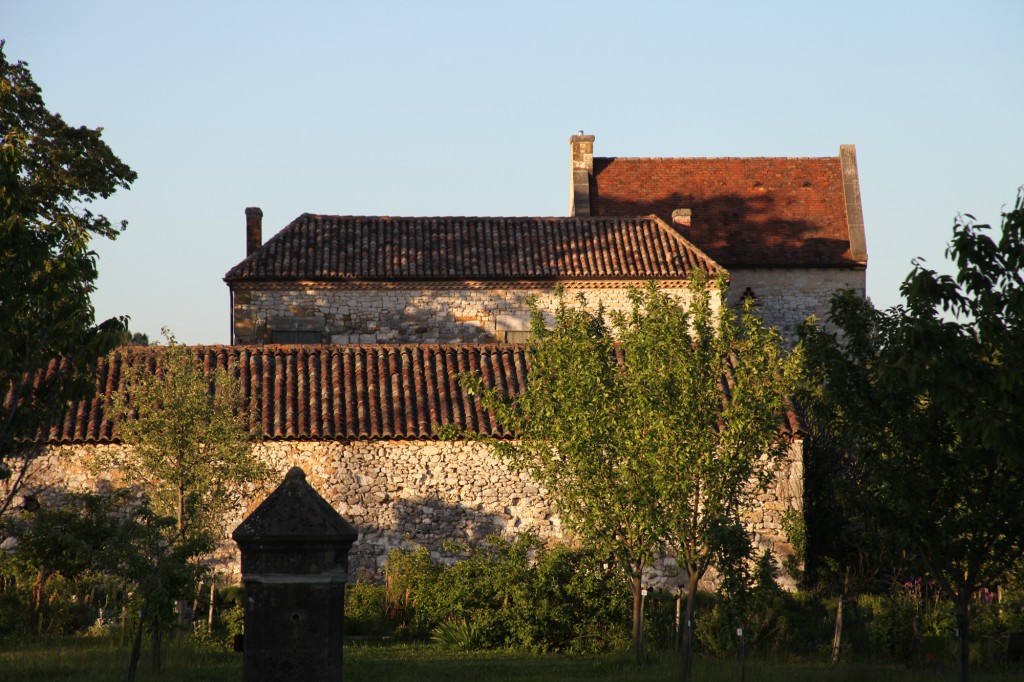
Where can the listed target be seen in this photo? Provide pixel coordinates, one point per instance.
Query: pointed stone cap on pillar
(294, 514)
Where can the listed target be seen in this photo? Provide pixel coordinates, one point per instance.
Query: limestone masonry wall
(787, 296)
(410, 313)
(425, 492)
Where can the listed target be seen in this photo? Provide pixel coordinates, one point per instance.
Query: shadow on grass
(93, 660)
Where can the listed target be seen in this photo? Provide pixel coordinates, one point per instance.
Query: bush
(514, 593)
(366, 610)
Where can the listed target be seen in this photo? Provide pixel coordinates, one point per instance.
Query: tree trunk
(40, 599)
(837, 637)
(133, 661)
(195, 602)
(963, 626)
(686, 657)
(213, 596)
(638, 618)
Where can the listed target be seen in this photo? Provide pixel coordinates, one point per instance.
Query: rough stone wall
(410, 313)
(786, 297)
(419, 492)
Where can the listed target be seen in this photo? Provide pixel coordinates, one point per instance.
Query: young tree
(710, 388)
(189, 447)
(49, 174)
(627, 429)
(931, 391)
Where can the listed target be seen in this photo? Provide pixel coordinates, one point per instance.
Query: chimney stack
(582, 168)
(253, 230)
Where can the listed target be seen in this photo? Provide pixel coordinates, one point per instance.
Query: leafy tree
(109, 543)
(136, 339)
(931, 392)
(189, 438)
(49, 174)
(664, 434)
(709, 389)
(189, 446)
(579, 436)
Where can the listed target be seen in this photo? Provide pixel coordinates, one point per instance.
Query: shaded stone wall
(398, 493)
(787, 296)
(409, 313)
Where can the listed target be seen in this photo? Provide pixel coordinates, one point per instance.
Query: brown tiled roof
(377, 248)
(747, 212)
(342, 392)
(331, 392)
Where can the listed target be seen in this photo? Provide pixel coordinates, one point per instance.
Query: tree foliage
(189, 447)
(929, 395)
(189, 438)
(50, 173)
(710, 388)
(655, 429)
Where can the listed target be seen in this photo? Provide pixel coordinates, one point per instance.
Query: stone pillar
(294, 550)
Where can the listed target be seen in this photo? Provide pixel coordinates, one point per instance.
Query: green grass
(89, 660)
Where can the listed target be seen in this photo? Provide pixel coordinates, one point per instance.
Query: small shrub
(892, 627)
(366, 611)
(457, 634)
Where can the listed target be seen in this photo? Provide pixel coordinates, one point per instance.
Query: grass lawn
(88, 660)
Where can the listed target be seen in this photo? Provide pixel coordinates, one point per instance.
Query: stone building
(377, 314)
(355, 279)
(787, 231)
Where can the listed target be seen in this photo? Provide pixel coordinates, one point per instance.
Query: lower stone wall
(402, 493)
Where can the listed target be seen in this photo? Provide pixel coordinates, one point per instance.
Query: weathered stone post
(294, 565)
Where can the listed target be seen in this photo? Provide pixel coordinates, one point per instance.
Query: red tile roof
(747, 212)
(320, 247)
(341, 392)
(331, 392)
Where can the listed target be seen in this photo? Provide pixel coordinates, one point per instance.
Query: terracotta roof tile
(340, 392)
(376, 248)
(747, 212)
(329, 392)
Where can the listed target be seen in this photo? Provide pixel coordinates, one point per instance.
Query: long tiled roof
(378, 248)
(342, 392)
(331, 392)
(747, 212)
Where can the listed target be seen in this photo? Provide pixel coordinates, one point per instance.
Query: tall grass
(95, 660)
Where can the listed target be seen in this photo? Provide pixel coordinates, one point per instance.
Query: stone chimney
(253, 230)
(582, 154)
(682, 216)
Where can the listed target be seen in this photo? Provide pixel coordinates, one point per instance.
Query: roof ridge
(715, 158)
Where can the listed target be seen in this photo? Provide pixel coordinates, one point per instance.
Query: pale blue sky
(465, 108)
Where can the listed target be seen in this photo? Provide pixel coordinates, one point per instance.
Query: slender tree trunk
(686, 657)
(40, 599)
(679, 620)
(213, 596)
(133, 661)
(638, 618)
(963, 626)
(195, 602)
(837, 636)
